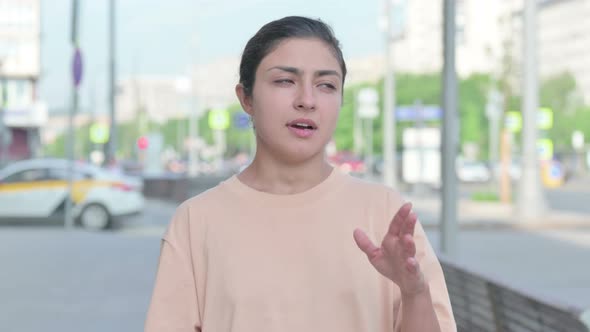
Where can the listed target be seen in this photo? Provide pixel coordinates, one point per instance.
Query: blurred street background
(114, 112)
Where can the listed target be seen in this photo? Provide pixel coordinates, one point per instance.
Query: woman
(273, 248)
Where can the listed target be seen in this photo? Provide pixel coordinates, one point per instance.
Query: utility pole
(531, 201)
(389, 146)
(112, 143)
(76, 79)
(450, 138)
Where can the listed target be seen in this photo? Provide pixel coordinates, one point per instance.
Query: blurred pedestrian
(273, 247)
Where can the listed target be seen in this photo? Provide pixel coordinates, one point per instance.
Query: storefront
(20, 138)
(21, 112)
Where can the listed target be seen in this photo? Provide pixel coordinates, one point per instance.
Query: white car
(473, 171)
(37, 189)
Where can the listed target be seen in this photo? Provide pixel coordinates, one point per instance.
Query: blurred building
(21, 112)
(564, 41)
(490, 33)
(159, 98)
(214, 83)
(418, 47)
(139, 99)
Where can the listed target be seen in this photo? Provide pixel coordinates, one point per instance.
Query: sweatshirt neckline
(312, 194)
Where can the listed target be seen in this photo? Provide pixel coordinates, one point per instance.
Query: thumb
(365, 244)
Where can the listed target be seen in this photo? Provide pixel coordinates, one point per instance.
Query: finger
(398, 220)
(409, 224)
(365, 244)
(409, 246)
(412, 265)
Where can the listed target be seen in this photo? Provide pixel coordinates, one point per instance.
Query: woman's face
(296, 99)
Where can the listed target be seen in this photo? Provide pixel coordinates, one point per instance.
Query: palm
(395, 259)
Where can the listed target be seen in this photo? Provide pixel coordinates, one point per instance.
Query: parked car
(473, 171)
(37, 189)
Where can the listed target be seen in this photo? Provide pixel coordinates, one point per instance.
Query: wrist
(420, 293)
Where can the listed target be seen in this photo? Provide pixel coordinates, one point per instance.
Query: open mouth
(302, 126)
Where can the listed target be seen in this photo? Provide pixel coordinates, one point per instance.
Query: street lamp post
(389, 146)
(112, 143)
(76, 80)
(449, 134)
(531, 202)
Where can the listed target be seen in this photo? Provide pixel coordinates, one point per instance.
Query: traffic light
(142, 143)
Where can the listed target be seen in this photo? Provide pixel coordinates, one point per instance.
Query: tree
(559, 92)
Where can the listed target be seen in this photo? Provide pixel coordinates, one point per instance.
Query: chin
(295, 151)
(298, 155)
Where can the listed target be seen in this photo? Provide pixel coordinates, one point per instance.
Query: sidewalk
(494, 214)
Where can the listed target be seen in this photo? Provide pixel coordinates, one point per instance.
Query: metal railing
(483, 304)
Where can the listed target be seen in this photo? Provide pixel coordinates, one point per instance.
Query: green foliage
(473, 122)
(560, 93)
(343, 135)
(485, 196)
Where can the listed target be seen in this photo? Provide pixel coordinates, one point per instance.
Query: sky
(156, 37)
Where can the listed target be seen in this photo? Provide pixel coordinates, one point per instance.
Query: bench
(481, 304)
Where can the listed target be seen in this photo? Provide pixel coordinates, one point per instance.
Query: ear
(245, 100)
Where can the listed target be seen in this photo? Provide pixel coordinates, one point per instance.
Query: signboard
(513, 121)
(20, 43)
(241, 120)
(99, 133)
(545, 149)
(421, 138)
(418, 112)
(422, 166)
(77, 67)
(34, 115)
(367, 100)
(545, 118)
(219, 119)
(552, 174)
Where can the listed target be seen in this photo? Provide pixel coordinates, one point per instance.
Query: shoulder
(189, 216)
(373, 191)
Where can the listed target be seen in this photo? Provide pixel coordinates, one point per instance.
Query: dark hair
(271, 34)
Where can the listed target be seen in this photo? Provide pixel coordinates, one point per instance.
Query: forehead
(303, 53)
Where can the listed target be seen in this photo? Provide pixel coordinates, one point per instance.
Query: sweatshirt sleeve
(174, 303)
(435, 278)
(433, 275)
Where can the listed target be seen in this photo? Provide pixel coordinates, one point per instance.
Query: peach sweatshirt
(240, 260)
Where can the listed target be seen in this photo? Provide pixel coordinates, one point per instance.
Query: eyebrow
(296, 71)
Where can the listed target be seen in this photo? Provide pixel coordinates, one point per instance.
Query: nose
(305, 99)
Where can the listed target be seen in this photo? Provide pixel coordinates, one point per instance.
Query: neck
(274, 176)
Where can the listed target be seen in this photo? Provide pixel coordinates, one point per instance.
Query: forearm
(418, 313)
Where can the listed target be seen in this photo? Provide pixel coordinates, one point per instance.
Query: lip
(302, 133)
(308, 122)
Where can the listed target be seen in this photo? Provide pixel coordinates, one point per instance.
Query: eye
(284, 81)
(328, 86)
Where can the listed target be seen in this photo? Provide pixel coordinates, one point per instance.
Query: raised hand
(395, 259)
